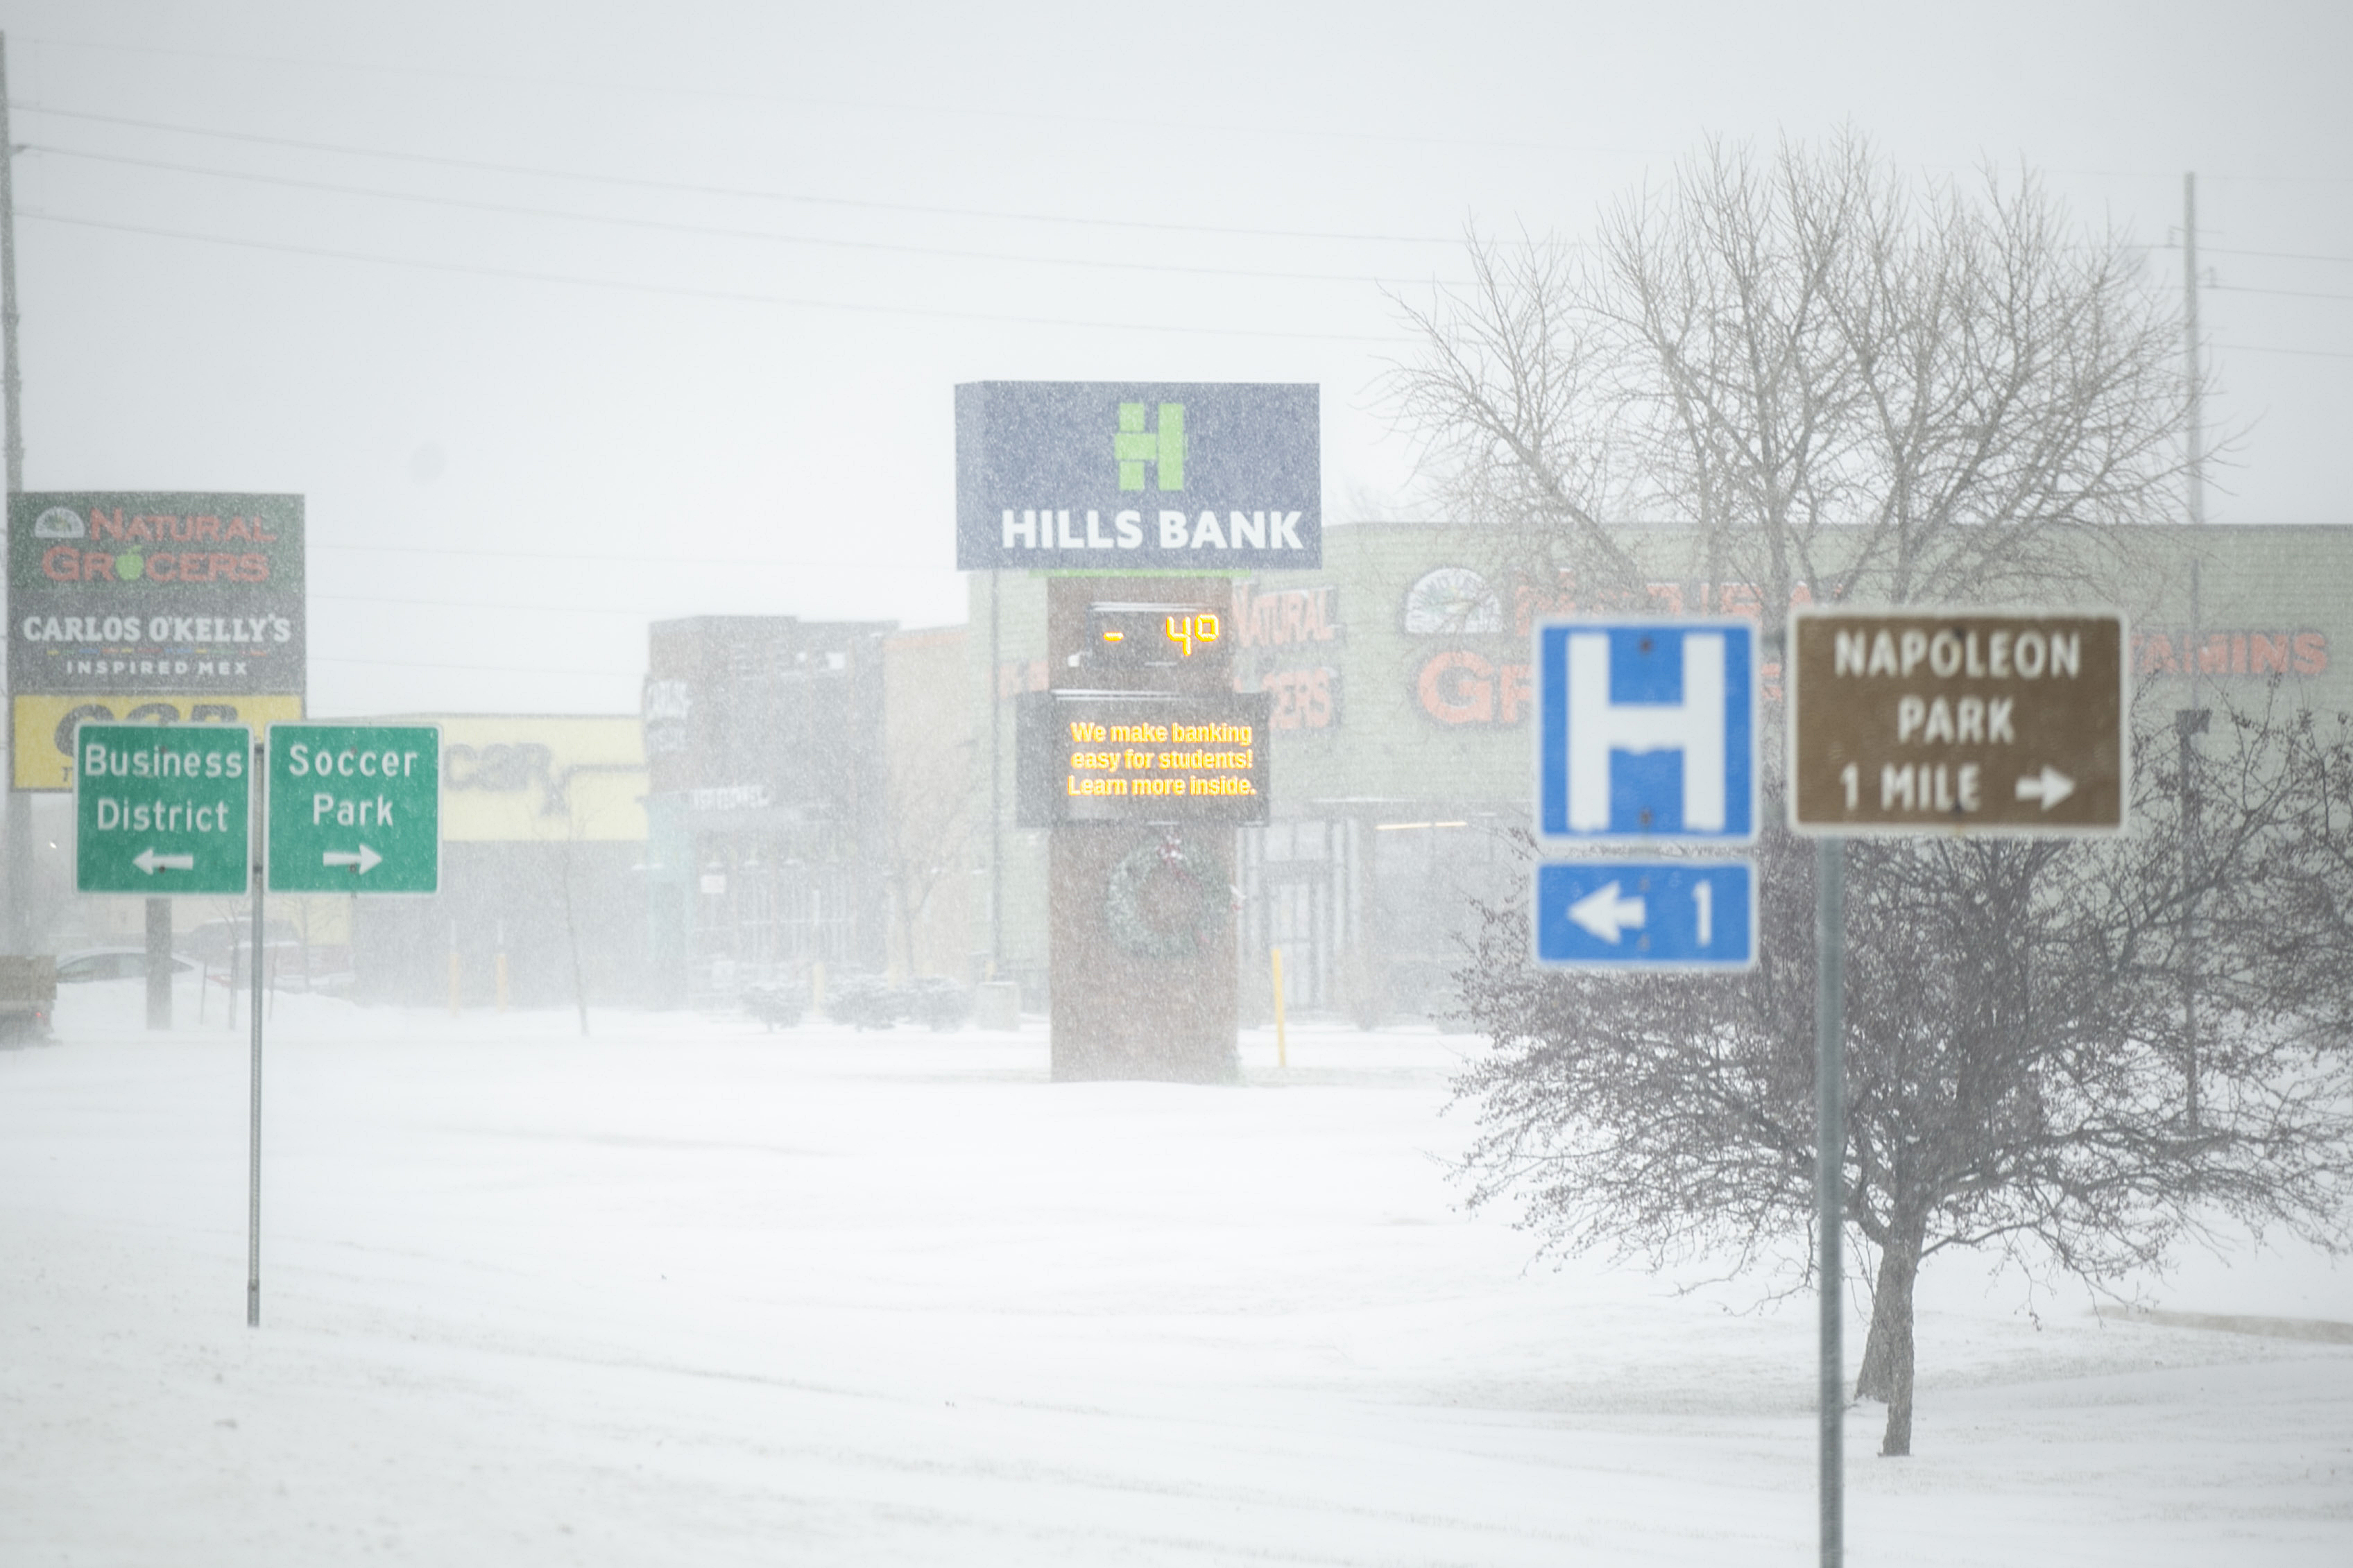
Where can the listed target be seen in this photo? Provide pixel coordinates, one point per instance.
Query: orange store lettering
(2230, 653)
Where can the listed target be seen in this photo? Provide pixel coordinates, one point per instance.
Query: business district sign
(1138, 757)
(1128, 475)
(162, 606)
(1646, 733)
(163, 810)
(1998, 723)
(166, 810)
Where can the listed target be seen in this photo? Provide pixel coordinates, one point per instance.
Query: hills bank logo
(1187, 476)
(1163, 447)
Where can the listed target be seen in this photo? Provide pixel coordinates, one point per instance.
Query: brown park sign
(1966, 723)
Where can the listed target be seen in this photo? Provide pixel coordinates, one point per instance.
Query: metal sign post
(1829, 1180)
(350, 808)
(253, 1114)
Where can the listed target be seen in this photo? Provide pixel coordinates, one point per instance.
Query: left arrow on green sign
(163, 810)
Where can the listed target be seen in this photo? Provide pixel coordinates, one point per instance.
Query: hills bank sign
(1078, 476)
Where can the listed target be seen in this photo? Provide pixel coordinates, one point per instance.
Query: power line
(930, 107)
(768, 561)
(746, 193)
(2284, 293)
(709, 230)
(2263, 349)
(517, 274)
(492, 604)
(2275, 254)
(476, 668)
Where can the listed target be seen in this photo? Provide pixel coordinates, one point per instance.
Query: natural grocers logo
(59, 523)
(1163, 447)
(157, 548)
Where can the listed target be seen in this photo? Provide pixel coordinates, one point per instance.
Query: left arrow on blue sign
(1646, 914)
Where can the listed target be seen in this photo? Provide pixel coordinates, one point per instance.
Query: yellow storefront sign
(536, 778)
(41, 727)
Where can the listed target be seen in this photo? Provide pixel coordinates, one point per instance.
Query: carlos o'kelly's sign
(144, 606)
(1100, 476)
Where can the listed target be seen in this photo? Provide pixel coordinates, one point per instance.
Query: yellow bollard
(503, 980)
(1282, 1045)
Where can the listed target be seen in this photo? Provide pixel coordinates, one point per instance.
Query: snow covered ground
(687, 1293)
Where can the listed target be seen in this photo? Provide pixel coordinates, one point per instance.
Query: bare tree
(2015, 1050)
(1819, 380)
(928, 832)
(1846, 384)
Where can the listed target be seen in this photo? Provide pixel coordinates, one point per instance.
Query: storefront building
(543, 892)
(1403, 687)
(767, 808)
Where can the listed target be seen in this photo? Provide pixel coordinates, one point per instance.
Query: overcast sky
(566, 317)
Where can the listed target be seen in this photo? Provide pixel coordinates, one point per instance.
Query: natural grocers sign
(119, 593)
(1128, 475)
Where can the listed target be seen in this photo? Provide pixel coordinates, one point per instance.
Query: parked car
(28, 994)
(110, 963)
(212, 943)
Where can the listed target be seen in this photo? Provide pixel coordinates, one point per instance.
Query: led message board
(1140, 756)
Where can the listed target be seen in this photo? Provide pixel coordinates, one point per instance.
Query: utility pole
(996, 779)
(20, 812)
(2191, 722)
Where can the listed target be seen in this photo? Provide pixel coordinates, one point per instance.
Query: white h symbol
(1597, 726)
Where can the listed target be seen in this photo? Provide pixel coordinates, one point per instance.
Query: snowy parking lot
(690, 1292)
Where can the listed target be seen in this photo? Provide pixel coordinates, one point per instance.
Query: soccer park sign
(354, 808)
(1099, 477)
(166, 810)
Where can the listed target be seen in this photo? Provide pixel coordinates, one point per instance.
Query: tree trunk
(1887, 1353)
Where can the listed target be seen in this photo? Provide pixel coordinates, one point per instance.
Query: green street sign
(354, 808)
(163, 810)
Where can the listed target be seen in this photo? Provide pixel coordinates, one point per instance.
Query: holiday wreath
(1163, 899)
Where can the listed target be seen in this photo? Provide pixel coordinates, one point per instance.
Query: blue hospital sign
(1646, 914)
(1646, 730)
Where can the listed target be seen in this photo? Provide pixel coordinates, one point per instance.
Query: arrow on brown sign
(2049, 787)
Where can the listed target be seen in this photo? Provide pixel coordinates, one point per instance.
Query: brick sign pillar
(1140, 918)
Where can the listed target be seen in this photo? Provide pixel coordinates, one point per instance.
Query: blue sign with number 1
(1647, 914)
